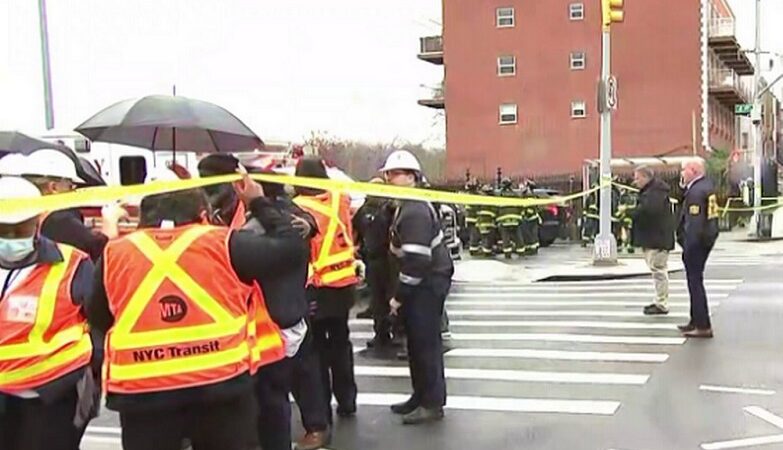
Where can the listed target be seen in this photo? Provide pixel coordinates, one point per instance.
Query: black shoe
(686, 328)
(402, 355)
(379, 341)
(655, 310)
(366, 314)
(698, 333)
(346, 412)
(422, 415)
(404, 408)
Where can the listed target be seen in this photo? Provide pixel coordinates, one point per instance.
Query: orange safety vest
(43, 335)
(238, 221)
(332, 249)
(181, 312)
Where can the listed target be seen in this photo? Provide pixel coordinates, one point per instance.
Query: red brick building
(520, 82)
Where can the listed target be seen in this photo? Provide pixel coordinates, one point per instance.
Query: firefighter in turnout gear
(625, 204)
(590, 220)
(509, 221)
(531, 219)
(486, 224)
(471, 220)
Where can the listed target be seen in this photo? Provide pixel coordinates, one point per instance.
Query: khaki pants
(657, 262)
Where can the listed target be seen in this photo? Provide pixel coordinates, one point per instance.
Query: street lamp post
(605, 250)
(47, 73)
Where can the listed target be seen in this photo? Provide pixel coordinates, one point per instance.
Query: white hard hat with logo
(41, 163)
(16, 187)
(401, 160)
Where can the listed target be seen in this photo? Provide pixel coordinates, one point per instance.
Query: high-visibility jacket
(238, 221)
(332, 249)
(43, 335)
(182, 315)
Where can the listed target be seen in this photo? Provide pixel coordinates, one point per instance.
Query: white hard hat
(17, 187)
(401, 160)
(42, 163)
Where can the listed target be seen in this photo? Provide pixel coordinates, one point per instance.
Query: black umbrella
(16, 142)
(165, 122)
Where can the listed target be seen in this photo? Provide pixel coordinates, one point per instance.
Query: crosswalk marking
(548, 323)
(537, 288)
(554, 337)
(597, 283)
(512, 375)
(504, 404)
(522, 293)
(562, 355)
(552, 313)
(491, 302)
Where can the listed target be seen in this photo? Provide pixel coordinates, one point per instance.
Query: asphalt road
(577, 366)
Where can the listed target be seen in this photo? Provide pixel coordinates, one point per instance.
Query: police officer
(509, 220)
(697, 231)
(332, 286)
(54, 173)
(424, 281)
(182, 305)
(45, 346)
(486, 225)
(371, 224)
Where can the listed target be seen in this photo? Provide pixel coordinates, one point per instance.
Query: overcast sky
(283, 66)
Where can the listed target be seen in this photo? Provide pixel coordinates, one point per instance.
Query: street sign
(743, 109)
(611, 93)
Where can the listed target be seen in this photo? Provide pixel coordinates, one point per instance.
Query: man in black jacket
(653, 231)
(697, 231)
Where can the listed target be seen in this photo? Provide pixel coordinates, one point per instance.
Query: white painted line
(499, 404)
(489, 301)
(554, 337)
(104, 430)
(740, 443)
(518, 294)
(552, 313)
(512, 375)
(101, 439)
(734, 390)
(765, 415)
(622, 281)
(547, 324)
(563, 355)
(544, 288)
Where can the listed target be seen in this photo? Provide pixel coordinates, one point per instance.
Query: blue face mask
(15, 250)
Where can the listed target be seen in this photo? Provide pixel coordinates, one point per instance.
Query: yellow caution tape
(726, 208)
(107, 194)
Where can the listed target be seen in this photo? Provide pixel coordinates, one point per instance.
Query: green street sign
(743, 109)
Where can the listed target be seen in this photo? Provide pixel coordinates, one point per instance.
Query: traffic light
(612, 11)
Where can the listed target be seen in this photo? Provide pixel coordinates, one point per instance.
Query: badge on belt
(694, 210)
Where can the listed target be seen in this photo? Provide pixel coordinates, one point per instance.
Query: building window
(578, 110)
(576, 11)
(578, 60)
(505, 17)
(507, 66)
(508, 114)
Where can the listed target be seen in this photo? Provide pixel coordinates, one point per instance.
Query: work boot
(313, 440)
(402, 355)
(346, 411)
(405, 407)
(366, 314)
(379, 341)
(698, 333)
(422, 415)
(655, 310)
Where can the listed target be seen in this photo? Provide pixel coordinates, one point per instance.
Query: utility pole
(47, 73)
(756, 118)
(605, 250)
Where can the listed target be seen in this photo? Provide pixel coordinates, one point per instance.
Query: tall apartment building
(520, 82)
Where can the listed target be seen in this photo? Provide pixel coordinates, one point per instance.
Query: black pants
(273, 384)
(529, 230)
(224, 425)
(307, 388)
(695, 258)
(34, 425)
(422, 313)
(474, 239)
(380, 279)
(332, 342)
